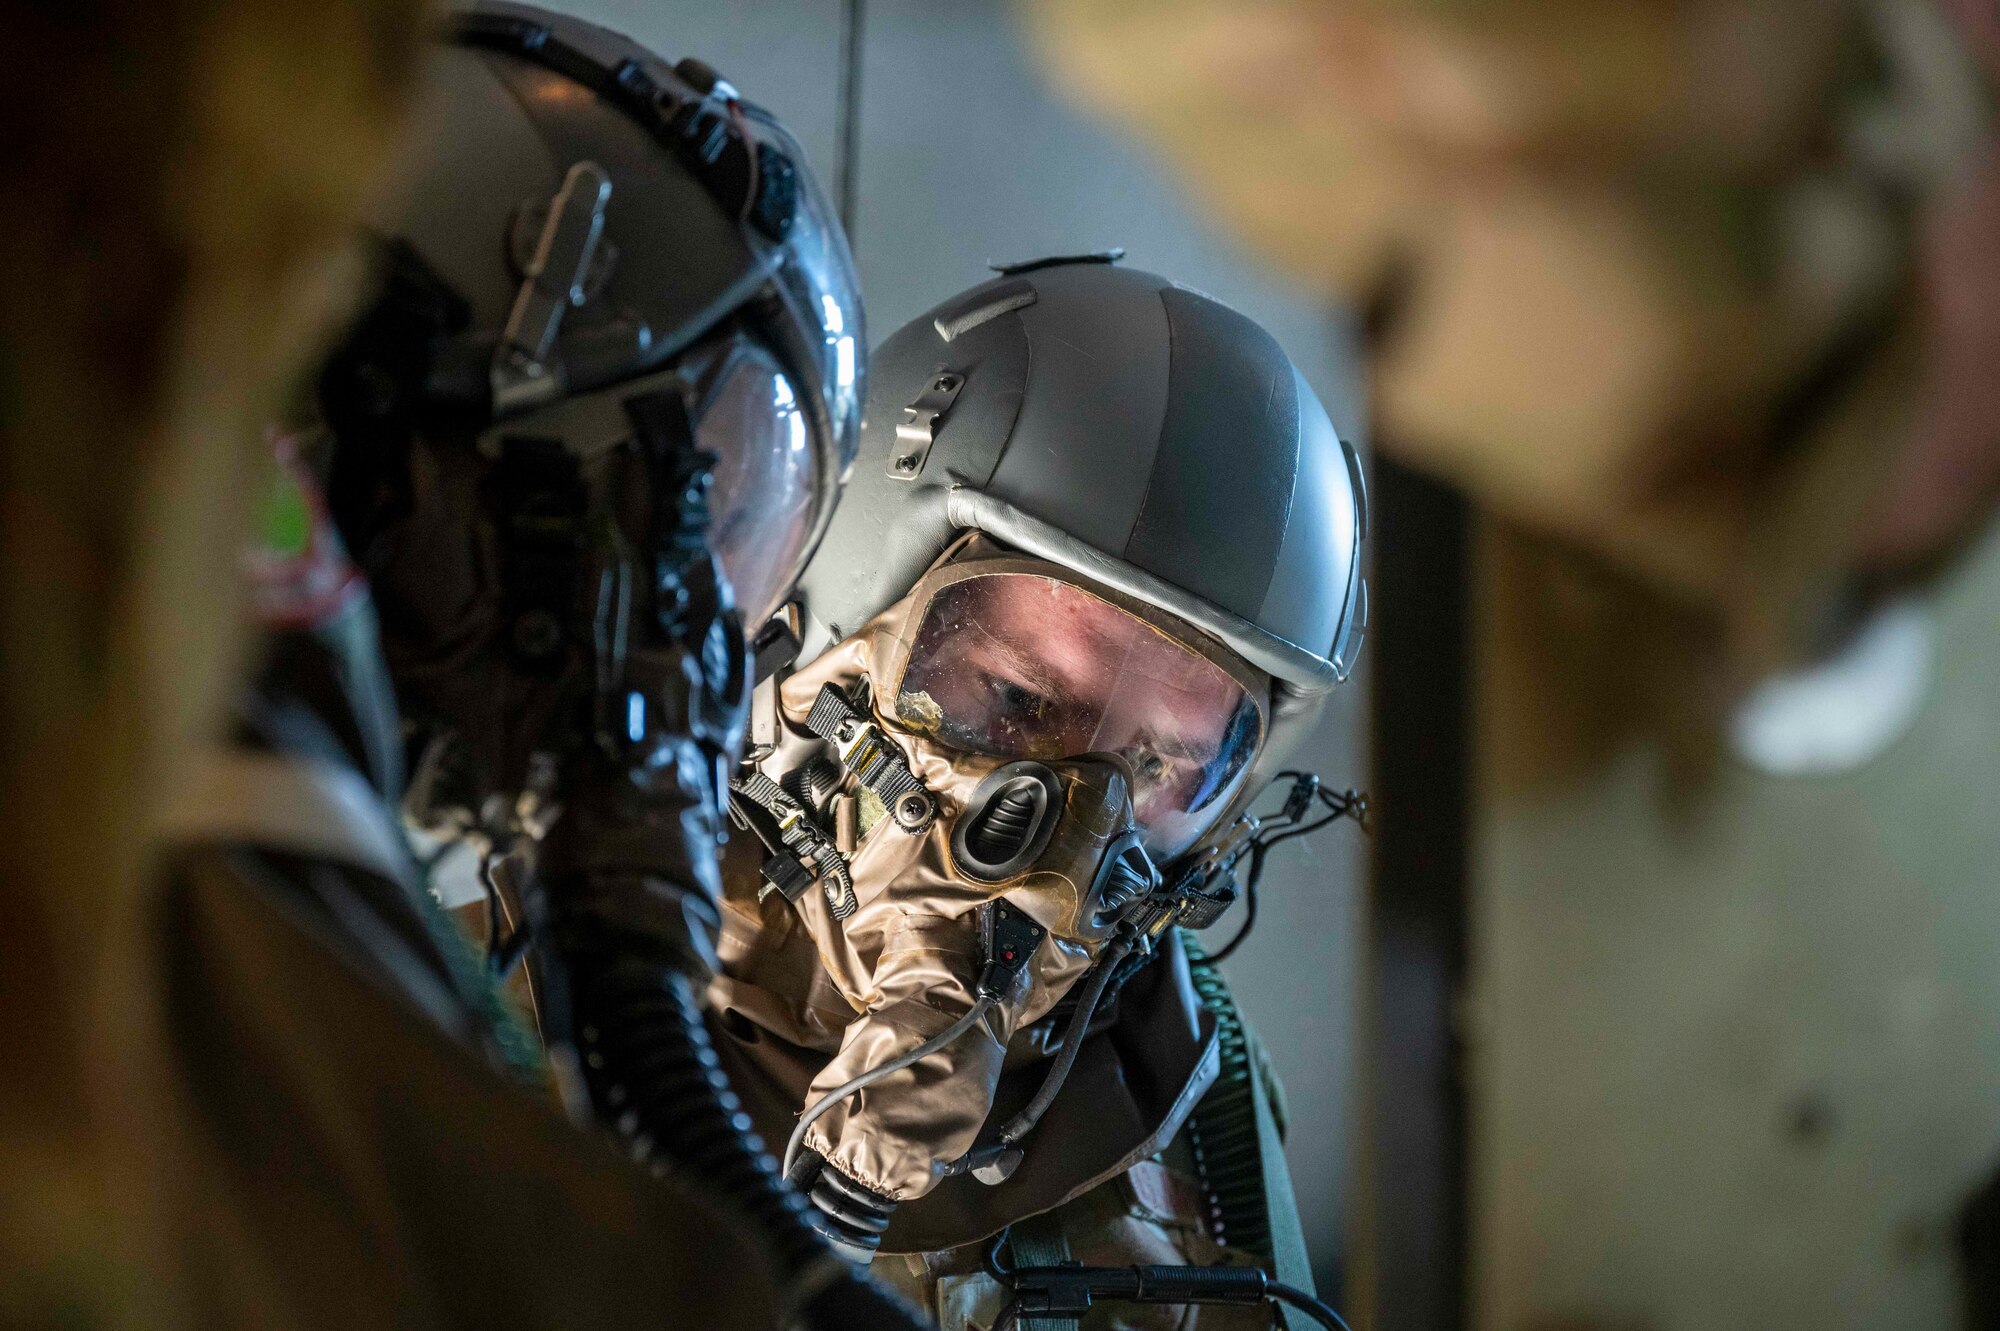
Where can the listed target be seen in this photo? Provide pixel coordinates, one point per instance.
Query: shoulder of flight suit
(308, 1147)
(308, 1122)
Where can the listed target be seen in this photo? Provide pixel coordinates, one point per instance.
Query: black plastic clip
(1010, 937)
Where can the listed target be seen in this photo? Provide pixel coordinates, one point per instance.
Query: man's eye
(1013, 700)
(1151, 766)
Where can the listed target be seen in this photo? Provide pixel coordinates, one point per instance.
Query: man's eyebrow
(1175, 746)
(1026, 668)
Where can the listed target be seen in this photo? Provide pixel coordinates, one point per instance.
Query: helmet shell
(513, 128)
(1127, 427)
(712, 221)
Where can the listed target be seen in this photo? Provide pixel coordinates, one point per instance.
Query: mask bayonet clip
(797, 851)
(873, 758)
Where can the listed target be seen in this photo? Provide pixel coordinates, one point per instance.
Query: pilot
(1097, 573)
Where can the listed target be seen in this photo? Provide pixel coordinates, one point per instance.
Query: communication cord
(1024, 1122)
(944, 1038)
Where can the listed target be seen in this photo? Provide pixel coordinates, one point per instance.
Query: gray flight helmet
(1126, 428)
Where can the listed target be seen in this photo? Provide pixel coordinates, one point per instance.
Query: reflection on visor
(1018, 665)
(815, 276)
(766, 478)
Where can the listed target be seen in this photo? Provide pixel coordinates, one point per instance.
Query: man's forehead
(1070, 625)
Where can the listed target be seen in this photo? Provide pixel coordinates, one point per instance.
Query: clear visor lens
(766, 477)
(1018, 665)
(815, 275)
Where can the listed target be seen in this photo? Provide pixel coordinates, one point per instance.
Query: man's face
(1021, 666)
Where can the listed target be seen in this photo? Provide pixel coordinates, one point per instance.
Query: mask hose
(942, 1040)
(994, 1162)
(1024, 1122)
(646, 1046)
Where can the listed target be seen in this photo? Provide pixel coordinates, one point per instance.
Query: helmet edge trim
(1304, 671)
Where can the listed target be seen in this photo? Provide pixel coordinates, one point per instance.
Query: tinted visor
(1025, 665)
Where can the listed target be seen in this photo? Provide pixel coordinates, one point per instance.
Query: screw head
(914, 810)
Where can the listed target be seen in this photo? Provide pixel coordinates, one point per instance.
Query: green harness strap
(1041, 1241)
(1239, 1146)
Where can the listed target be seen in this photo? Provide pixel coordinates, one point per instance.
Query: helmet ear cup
(1007, 823)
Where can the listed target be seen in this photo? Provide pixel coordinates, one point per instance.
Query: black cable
(1250, 880)
(852, 15)
(1068, 1291)
(991, 1259)
(1346, 805)
(1322, 1313)
(1319, 1311)
(1256, 874)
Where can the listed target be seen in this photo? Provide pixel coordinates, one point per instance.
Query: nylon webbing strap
(864, 749)
(1041, 1241)
(1239, 1149)
(1290, 1262)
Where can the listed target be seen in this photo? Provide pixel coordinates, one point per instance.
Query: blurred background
(1665, 995)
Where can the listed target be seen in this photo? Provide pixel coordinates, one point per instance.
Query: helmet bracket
(524, 373)
(922, 419)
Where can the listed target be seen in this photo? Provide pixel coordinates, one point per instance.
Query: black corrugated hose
(654, 1071)
(620, 868)
(1070, 1291)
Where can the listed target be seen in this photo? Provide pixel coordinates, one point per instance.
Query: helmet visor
(814, 276)
(766, 479)
(1029, 665)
